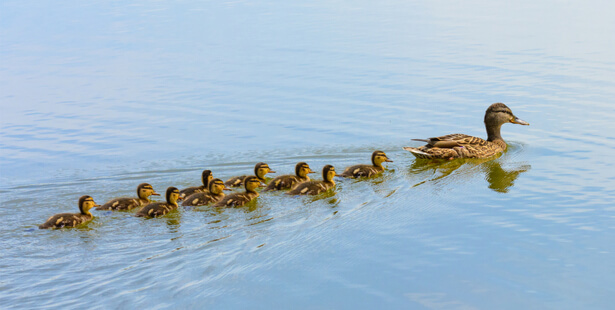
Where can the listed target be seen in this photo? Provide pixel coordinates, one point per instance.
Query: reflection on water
(499, 179)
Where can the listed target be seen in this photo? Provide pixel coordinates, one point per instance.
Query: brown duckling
(260, 170)
(463, 146)
(214, 194)
(251, 183)
(157, 209)
(72, 219)
(144, 190)
(357, 171)
(316, 187)
(206, 177)
(289, 181)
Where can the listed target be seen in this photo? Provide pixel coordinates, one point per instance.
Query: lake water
(97, 97)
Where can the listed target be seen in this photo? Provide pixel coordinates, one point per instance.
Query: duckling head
(172, 195)
(216, 186)
(302, 169)
(86, 203)
(252, 183)
(261, 169)
(206, 177)
(378, 157)
(496, 115)
(328, 172)
(144, 190)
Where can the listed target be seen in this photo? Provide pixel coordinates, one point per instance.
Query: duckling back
(66, 220)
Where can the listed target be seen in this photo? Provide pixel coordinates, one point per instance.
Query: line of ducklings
(212, 191)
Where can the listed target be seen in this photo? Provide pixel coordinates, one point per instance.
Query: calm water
(97, 97)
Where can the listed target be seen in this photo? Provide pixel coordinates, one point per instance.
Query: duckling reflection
(499, 179)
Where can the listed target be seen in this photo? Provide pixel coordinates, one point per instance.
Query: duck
(288, 181)
(464, 146)
(72, 219)
(214, 194)
(316, 187)
(206, 177)
(260, 170)
(157, 209)
(144, 190)
(357, 171)
(251, 183)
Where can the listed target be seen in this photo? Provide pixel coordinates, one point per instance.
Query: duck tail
(416, 152)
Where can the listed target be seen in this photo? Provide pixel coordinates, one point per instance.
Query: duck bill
(388, 160)
(226, 189)
(519, 121)
(155, 194)
(311, 171)
(271, 171)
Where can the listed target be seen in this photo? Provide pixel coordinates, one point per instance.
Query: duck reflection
(499, 179)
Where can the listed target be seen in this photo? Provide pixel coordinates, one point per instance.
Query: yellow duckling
(206, 177)
(464, 146)
(289, 181)
(157, 209)
(251, 183)
(214, 194)
(316, 187)
(144, 190)
(72, 219)
(357, 171)
(260, 170)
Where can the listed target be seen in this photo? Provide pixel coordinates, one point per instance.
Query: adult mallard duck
(72, 219)
(251, 183)
(157, 209)
(214, 194)
(289, 181)
(316, 187)
(357, 171)
(206, 177)
(144, 190)
(260, 170)
(464, 146)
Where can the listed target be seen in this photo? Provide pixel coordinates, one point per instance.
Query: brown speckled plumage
(214, 194)
(465, 146)
(357, 171)
(289, 181)
(316, 187)
(240, 199)
(260, 170)
(72, 219)
(206, 177)
(157, 209)
(144, 190)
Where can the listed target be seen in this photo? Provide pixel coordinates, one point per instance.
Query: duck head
(172, 195)
(144, 190)
(86, 203)
(206, 177)
(216, 186)
(378, 157)
(261, 169)
(302, 169)
(497, 115)
(251, 183)
(328, 172)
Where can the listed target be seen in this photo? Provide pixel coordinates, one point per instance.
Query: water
(98, 97)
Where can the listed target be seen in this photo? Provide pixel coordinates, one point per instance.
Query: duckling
(157, 209)
(206, 177)
(214, 194)
(144, 190)
(464, 146)
(72, 219)
(289, 181)
(356, 171)
(316, 187)
(240, 199)
(260, 170)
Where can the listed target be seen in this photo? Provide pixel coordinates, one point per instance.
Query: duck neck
(493, 132)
